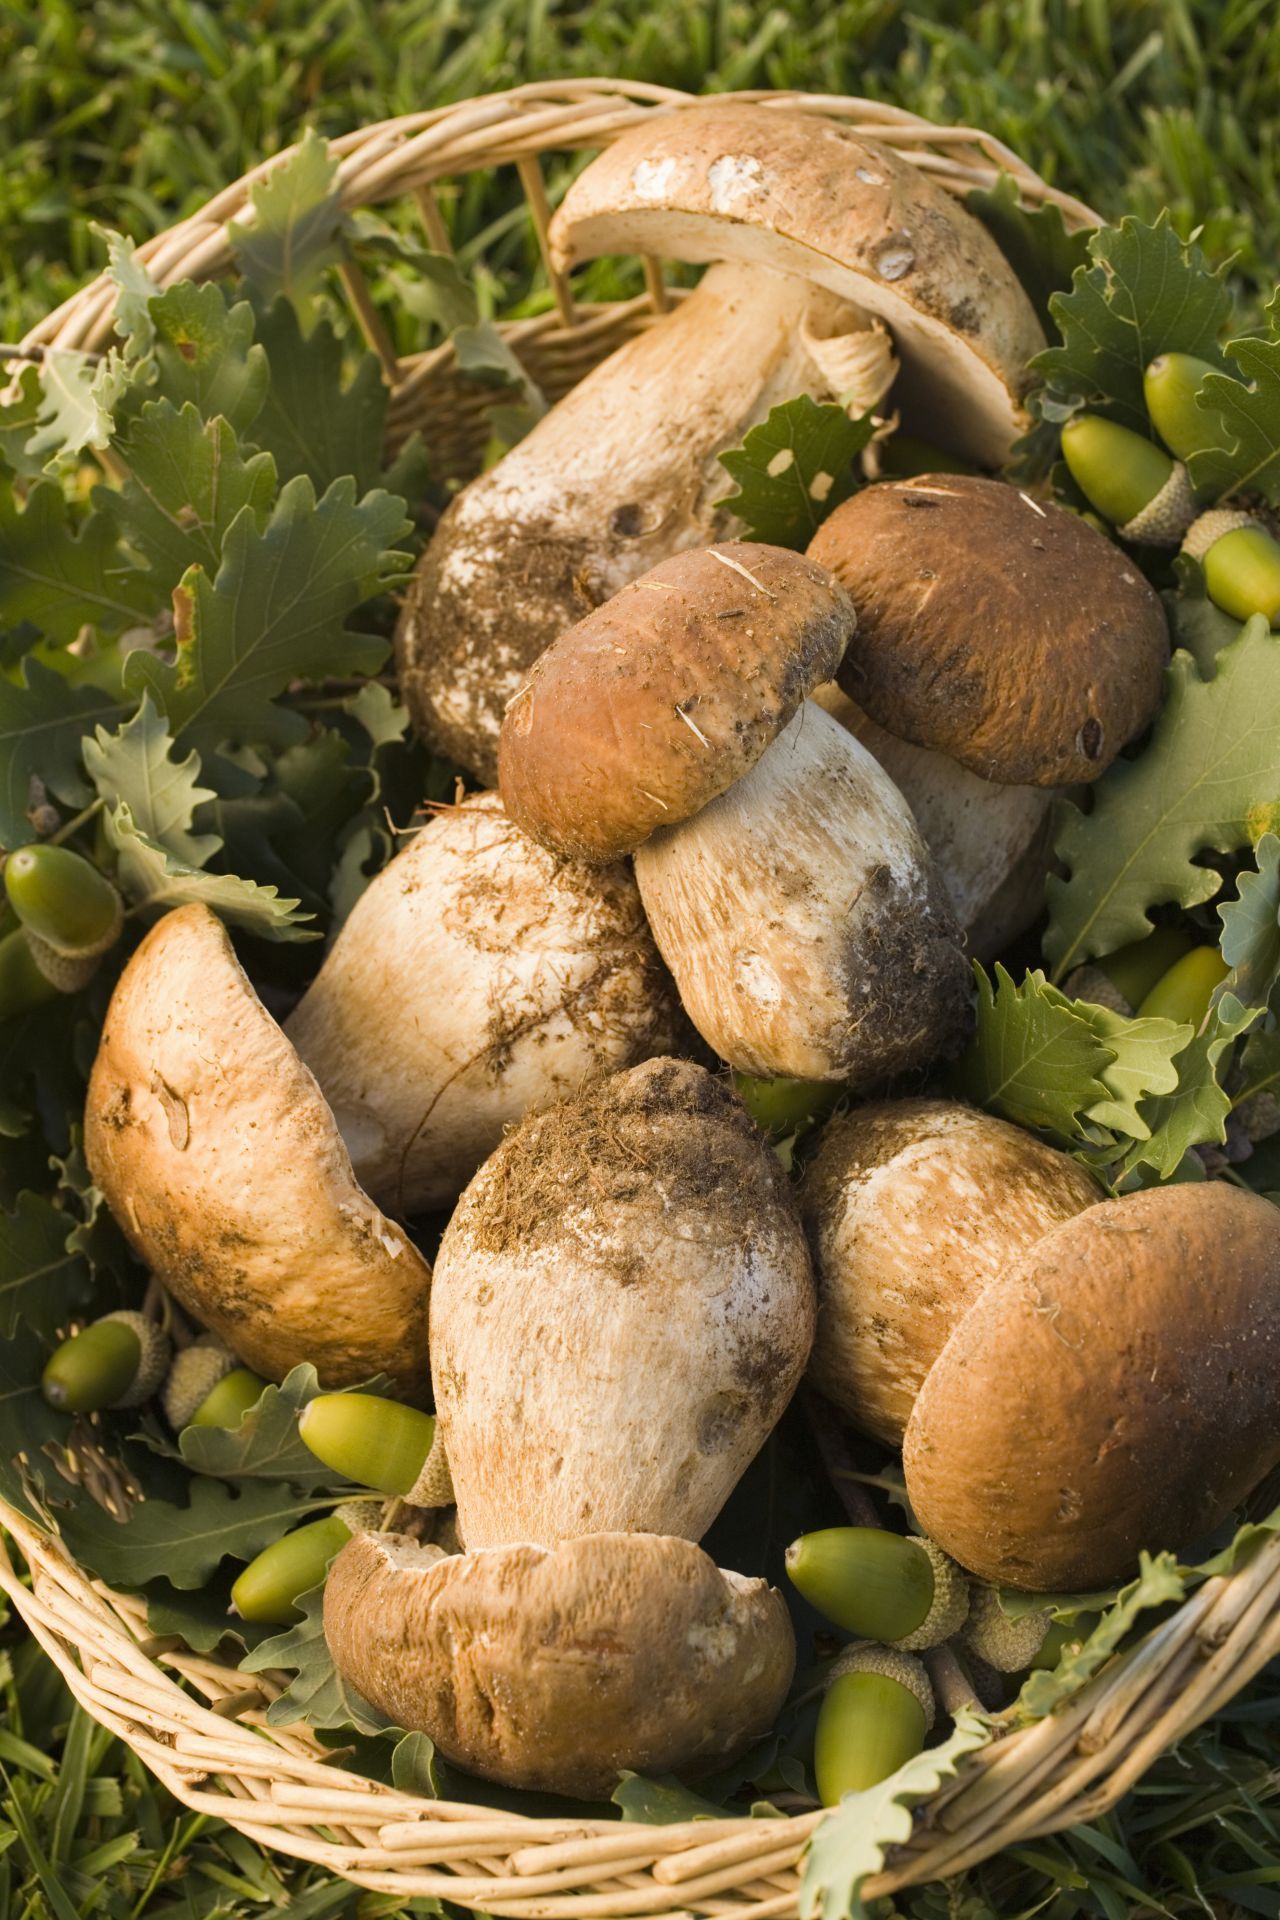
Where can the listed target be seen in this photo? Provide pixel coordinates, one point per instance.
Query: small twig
(830, 1442)
(950, 1682)
(34, 352)
(82, 819)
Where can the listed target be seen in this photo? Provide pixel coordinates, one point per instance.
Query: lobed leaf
(794, 469)
(1251, 416)
(318, 1695)
(43, 719)
(183, 1545)
(152, 877)
(297, 220)
(1033, 240)
(187, 482)
(134, 766)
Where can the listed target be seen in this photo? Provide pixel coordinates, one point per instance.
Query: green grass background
(131, 112)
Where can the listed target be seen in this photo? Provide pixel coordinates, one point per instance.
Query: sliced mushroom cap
(913, 1208)
(805, 925)
(1005, 633)
(663, 697)
(477, 976)
(992, 844)
(618, 475)
(796, 193)
(558, 1669)
(1119, 1389)
(226, 1172)
(621, 1309)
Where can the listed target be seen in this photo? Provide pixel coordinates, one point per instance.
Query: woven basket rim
(272, 1784)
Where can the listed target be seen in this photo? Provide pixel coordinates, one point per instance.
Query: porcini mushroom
(556, 1669)
(616, 476)
(794, 192)
(1117, 1389)
(1003, 632)
(785, 881)
(913, 1208)
(226, 1172)
(991, 844)
(477, 976)
(621, 1309)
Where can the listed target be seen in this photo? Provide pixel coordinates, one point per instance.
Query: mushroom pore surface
(1001, 631)
(558, 1669)
(1119, 1389)
(621, 1309)
(913, 1207)
(226, 1172)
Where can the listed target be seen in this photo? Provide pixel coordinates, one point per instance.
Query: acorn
(208, 1387)
(1184, 990)
(117, 1361)
(1129, 480)
(876, 1714)
(23, 986)
(902, 1591)
(71, 914)
(1169, 387)
(379, 1443)
(269, 1588)
(1133, 970)
(1006, 1643)
(1241, 562)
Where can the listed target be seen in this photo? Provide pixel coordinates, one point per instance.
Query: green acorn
(1241, 562)
(1134, 970)
(882, 1586)
(23, 986)
(1130, 480)
(117, 1361)
(1184, 991)
(1007, 1644)
(379, 1443)
(270, 1586)
(1169, 387)
(208, 1387)
(875, 1715)
(70, 912)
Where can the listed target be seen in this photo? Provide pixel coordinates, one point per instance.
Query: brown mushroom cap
(1119, 1389)
(1006, 633)
(913, 1208)
(556, 1669)
(226, 1172)
(797, 193)
(668, 693)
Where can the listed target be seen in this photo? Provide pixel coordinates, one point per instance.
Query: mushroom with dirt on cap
(796, 193)
(225, 1170)
(1117, 1389)
(558, 1668)
(781, 871)
(993, 628)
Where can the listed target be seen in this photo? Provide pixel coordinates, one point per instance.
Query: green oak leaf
(43, 719)
(794, 469)
(1208, 780)
(1034, 240)
(1251, 416)
(1145, 292)
(151, 877)
(1195, 1113)
(852, 1842)
(135, 290)
(379, 713)
(135, 766)
(203, 1619)
(205, 354)
(1148, 1061)
(27, 1422)
(318, 1695)
(19, 418)
(266, 1445)
(1035, 1057)
(1250, 940)
(60, 577)
(313, 421)
(43, 1281)
(1160, 1582)
(416, 1767)
(187, 481)
(182, 1545)
(661, 1803)
(274, 613)
(79, 394)
(297, 220)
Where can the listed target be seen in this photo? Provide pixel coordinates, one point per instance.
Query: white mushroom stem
(802, 917)
(619, 475)
(478, 976)
(992, 843)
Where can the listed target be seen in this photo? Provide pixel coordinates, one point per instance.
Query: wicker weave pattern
(277, 1785)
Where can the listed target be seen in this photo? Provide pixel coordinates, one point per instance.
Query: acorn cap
(667, 694)
(1006, 633)
(1118, 1389)
(1006, 1642)
(893, 1664)
(557, 1669)
(194, 1374)
(950, 1607)
(225, 1170)
(797, 193)
(153, 1356)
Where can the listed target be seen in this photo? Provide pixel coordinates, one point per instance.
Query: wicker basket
(275, 1784)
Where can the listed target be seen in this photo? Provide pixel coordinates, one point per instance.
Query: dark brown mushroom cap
(1118, 1390)
(994, 628)
(556, 1669)
(664, 696)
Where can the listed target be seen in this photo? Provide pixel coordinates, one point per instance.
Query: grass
(130, 113)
